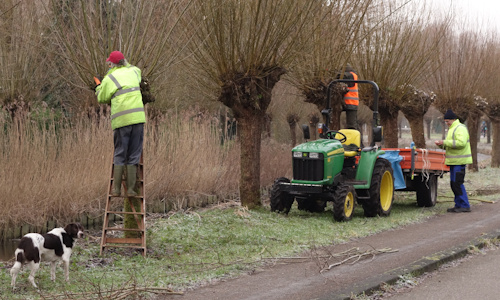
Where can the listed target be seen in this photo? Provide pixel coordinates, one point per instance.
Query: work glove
(97, 82)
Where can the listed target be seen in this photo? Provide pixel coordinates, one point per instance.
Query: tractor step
(355, 182)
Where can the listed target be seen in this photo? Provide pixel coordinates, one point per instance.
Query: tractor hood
(317, 162)
(325, 146)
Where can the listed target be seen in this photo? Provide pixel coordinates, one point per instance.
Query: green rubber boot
(117, 180)
(131, 180)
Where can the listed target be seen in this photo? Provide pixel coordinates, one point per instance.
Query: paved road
(420, 247)
(477, 277)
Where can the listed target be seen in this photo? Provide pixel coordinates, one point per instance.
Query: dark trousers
(128, 142)
(351, 117)
(457, 178)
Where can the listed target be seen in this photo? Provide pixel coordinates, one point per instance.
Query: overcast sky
(487, 11)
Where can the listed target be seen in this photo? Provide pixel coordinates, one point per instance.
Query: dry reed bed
(61, 171)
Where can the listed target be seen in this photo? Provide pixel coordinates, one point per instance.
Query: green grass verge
(191, 248)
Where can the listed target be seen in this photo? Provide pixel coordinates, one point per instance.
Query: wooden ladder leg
(107, 208)
(139, 216)
(142, 192)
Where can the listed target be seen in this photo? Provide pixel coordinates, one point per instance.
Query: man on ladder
(121, 89)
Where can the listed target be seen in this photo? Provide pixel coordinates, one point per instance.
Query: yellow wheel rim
(386, 191)
(349, 204)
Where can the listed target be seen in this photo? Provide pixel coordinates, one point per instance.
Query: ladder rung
(143, 249)
(126, 246)
(124, 229)
(125, 213)
(123, 240)
(125, 196)
(138, 179)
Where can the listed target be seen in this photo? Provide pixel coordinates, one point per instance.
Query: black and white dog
(54, 246)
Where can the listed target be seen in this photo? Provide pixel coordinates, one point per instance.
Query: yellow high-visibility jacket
(457, 145)
(121, 88)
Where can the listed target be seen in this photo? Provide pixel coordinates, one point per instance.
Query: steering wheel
(332, 133)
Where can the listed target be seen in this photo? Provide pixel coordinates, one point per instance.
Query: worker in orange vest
(350, 102)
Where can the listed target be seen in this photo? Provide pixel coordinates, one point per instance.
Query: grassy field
(189, 248)
(61, 171)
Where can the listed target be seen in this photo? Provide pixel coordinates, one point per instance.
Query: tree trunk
(267, 125)
(417, 131)
(293, 119)
(293, 134)
(249, 97)
(443, 129)
(250, 129)
(389, 124)
(473, 126)
(488, 131)
(369, 134)
(313, 125)
(495, 145)
(428, 122)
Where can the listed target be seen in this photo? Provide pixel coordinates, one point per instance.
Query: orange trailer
(417, 170)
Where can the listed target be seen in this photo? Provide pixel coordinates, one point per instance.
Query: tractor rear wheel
(344, 201)
(280, 201)
(427, 192)
(381, 190)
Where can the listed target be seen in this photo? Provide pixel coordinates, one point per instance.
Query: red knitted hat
(115, 57)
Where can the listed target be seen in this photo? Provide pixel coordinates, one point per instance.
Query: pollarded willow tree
(459, 80)
(414, 105)
(240, 51)
(397, 54)
(332, 34)
(491, 91)
(83, 33)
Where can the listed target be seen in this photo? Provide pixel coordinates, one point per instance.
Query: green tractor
(336, 169)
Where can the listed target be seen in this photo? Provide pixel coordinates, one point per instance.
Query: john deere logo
(304, 154)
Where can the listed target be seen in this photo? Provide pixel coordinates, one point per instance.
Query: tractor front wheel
(344, 200)
(280, 201)
(381, 190)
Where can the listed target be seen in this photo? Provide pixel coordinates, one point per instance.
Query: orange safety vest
(351, 98)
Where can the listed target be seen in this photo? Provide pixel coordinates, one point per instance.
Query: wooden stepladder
(139, 215)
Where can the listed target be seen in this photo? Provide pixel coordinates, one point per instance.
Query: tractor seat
(353, 142)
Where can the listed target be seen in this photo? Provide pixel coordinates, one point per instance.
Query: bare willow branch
(23, 67)
(399, 49)
(358, 256)
(145, 31)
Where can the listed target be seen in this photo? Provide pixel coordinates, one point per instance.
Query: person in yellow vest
(121, 89)
(351, 99)
(458, 154)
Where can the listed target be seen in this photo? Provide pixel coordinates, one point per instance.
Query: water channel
(7, 249)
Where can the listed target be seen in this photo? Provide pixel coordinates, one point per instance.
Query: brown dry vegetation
(61, 170)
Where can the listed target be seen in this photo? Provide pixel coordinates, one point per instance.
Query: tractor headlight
(313, 155)
(297, 154)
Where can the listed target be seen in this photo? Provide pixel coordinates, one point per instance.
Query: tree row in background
(242, 54)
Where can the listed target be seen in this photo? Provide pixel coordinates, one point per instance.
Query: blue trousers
(128, 144)
(457, 177)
